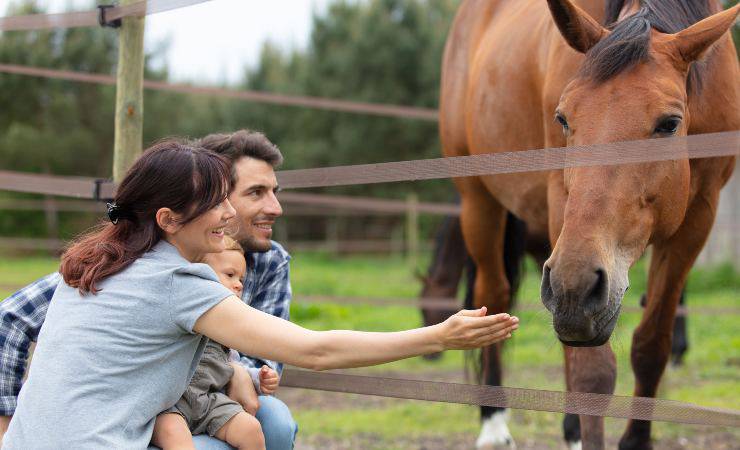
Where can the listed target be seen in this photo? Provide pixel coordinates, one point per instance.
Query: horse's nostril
(546, 287)
(598, 292)
(545, 277)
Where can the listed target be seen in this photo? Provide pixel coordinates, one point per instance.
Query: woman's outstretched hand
(470, 329)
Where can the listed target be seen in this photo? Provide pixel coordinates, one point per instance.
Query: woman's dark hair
(171, 174)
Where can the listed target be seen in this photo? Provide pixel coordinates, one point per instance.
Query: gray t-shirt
(105, 365)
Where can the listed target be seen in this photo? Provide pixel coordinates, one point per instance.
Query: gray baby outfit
(203, 406)
(105, 365)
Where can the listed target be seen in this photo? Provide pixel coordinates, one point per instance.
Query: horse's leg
(443, 277)
(483, 222)
(651, 342)
(445, 271)
(680, 342)
(589, 369)
(572, 431)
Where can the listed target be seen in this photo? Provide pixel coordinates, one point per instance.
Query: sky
(212, 42)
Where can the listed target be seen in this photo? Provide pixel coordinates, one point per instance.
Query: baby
(204, 407)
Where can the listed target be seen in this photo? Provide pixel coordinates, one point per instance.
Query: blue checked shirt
(266, 287)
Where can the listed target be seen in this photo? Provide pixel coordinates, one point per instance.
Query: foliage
(382, 51)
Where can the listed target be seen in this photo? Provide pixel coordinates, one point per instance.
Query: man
(266, 285)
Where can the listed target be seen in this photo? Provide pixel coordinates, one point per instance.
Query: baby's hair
(231, 244)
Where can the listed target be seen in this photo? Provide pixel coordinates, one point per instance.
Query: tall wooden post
(129, 94)
(412, 231)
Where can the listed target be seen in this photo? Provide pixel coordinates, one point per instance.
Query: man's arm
(271, 295)
(21, 317)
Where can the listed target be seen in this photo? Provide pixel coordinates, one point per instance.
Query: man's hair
(242, 143)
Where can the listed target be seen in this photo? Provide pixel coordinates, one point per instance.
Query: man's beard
(255, 245)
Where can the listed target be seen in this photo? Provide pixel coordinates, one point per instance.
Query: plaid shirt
(266, 287)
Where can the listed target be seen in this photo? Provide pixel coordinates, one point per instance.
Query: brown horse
(518, 76)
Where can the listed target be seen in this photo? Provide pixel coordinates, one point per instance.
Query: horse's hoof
(574, 445)
(494, 433)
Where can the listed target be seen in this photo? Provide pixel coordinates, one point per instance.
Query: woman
(126, 329)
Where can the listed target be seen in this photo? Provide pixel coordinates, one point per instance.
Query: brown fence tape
(630, 152)
(82, 187)
(56, 205)
(406, 112)
(367, 203)
(90, 18)
(695, 146)
(640, 408)
(79, 187)
(449, 305)
(453, 305)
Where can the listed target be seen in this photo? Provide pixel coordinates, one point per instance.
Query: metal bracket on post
(99, 191)
(115, 23)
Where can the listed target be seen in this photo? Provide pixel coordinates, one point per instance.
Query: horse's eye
(560, 118)
(668, 125)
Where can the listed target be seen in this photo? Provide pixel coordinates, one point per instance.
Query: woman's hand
(269, 380)
(470, 329)
(241, 389)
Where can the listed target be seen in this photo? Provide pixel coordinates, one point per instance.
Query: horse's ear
(580, 30)
(693, 42)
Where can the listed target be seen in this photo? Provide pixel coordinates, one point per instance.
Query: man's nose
(273, 207)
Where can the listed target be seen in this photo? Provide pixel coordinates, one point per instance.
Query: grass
(533, 357)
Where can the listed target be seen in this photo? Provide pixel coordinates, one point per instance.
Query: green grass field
(709, 377)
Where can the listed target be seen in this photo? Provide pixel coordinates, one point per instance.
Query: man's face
(257, 207)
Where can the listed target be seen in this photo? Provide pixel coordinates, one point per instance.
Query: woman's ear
(168, 220)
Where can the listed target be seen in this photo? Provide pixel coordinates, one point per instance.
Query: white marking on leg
(574, 445)
(495, 432)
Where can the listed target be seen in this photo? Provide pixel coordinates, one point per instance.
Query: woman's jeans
(277, 423)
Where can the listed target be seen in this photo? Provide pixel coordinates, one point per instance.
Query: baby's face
(230, 266)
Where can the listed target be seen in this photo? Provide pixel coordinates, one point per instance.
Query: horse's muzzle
(583, 315)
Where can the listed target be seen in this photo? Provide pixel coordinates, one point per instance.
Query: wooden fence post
(129, 94)
(412, 231)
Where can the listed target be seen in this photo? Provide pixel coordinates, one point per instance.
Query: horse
(451, 263)
(527, 74)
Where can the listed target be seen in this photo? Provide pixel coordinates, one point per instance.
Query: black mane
(628, 44)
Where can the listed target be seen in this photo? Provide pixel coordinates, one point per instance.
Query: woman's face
(204, 234)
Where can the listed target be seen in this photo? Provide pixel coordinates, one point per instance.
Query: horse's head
(634, 85)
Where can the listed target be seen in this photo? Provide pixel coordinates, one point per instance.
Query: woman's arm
(236, 325)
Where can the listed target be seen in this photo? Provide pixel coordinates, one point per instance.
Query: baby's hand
(269, 380)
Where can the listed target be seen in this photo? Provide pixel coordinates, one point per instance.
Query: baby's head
(229, 265)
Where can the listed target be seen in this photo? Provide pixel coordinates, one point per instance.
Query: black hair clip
(116, 213)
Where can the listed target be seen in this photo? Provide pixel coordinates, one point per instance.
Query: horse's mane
(629, 41)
